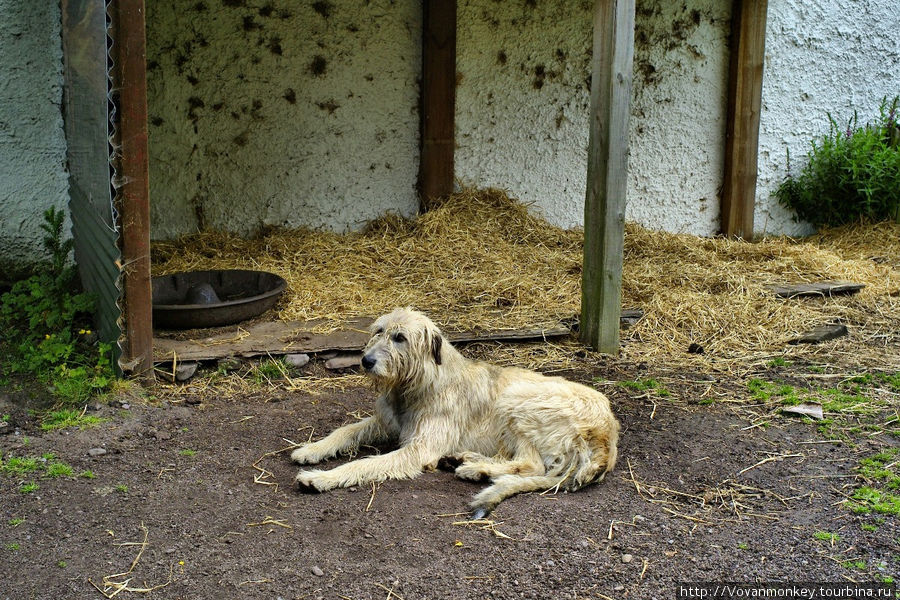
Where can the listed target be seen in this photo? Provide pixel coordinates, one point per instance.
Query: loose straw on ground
(481, 260)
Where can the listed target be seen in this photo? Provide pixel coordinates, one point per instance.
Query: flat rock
(183, 371)
(343, 362)
(819, 288)
(296, 360)
(821, 334)
(318, 572)
(95, 452)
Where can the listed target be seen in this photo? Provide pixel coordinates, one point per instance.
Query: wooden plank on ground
(745, 78)
(290, 337)
(819, 288)
(607, 168)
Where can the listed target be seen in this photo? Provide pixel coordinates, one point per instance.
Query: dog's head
(404, 347)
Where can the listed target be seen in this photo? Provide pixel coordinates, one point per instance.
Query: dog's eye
(399, 338)
(379, 331)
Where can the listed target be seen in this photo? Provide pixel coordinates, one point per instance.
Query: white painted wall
(32, 142)
(281, 113)
(531, 138)
(821, 56)
(245, 133)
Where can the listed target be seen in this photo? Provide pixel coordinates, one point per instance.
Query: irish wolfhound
(519, 429)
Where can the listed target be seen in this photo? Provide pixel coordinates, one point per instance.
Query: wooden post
(604, 206)
(130, 79)
(745, 76)
(438, 102)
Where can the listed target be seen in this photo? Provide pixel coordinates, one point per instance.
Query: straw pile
(481, 261)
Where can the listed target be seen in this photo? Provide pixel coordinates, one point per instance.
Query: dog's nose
(368, 362)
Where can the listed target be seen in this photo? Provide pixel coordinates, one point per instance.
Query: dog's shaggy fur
(517, 428)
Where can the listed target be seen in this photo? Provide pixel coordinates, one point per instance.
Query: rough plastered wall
(524, 95)
(32, 141)
(277, 112)
(821, 56)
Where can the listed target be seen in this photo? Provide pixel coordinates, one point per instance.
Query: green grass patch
(47, 465)
(869, 527)
(28, 488)
(869, 499)
(187, 452)
(121, 488)
(18, 465)
(824, 536)
(268, 370)
(646, 385)
(87, 474)
(15, 522)
(859, 565)
(59, 469)
(12, 546)
(66, 417)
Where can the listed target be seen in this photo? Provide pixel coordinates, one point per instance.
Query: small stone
(3, 425)
(619, 588)
(296, 360)
(95, 452)
(317, 571)
(126, 406)
(185, 370)
(342, 362)
(627, 558)
(368, 535)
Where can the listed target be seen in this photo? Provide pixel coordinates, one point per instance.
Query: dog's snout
(368, 362)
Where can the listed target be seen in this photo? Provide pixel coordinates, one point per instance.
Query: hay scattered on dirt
(481, 260)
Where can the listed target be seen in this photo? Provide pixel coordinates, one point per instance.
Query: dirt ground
(727, 490)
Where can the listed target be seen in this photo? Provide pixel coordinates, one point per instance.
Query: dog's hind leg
(505, 486)
(476, 467)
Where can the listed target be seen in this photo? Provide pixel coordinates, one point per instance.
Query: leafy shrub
(851, 173)
(47, 324)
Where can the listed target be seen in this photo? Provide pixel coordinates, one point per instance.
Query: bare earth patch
(713, 484)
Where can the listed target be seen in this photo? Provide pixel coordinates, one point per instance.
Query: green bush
(851, 174)
(47, 325)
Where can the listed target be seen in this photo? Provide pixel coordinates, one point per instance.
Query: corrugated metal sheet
(88, 108)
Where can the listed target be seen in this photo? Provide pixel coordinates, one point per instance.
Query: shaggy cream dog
(517, 428)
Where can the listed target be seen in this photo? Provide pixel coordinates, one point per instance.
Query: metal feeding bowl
(213, 298)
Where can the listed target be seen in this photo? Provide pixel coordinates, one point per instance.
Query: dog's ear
(437, 341)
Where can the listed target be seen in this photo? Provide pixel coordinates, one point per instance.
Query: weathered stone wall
(32, 142)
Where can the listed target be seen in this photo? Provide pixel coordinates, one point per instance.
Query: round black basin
(213, 298)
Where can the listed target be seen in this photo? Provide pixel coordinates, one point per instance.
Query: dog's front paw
(313, 482)
(306, 455)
